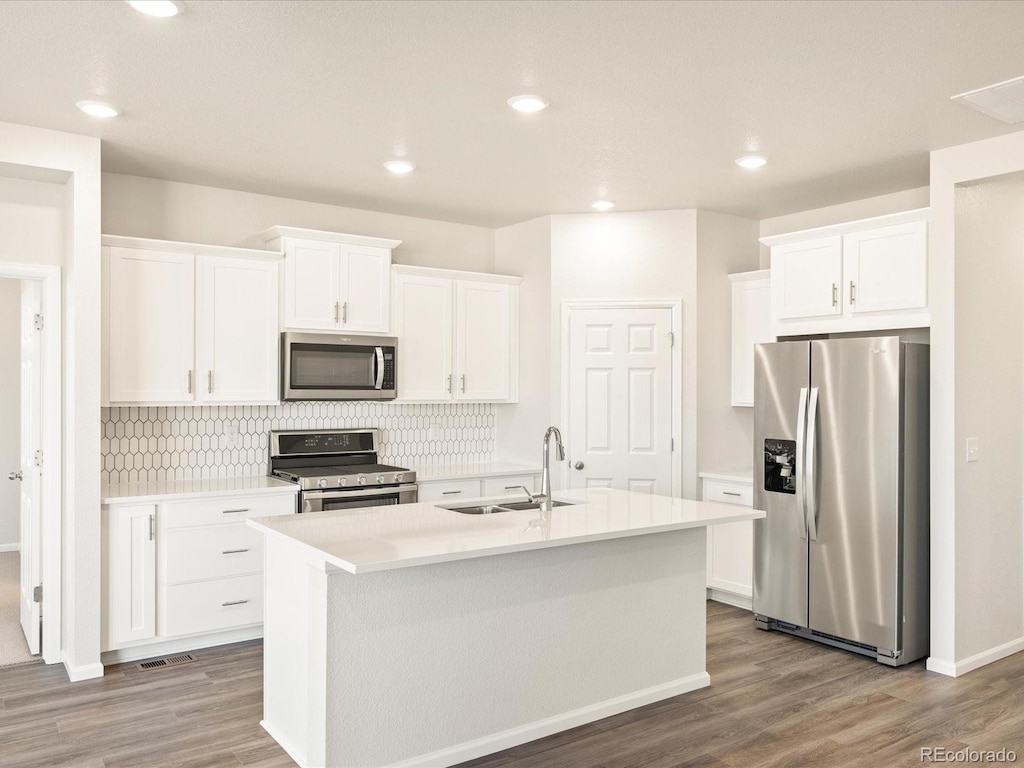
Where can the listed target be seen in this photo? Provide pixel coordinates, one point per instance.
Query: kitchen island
(413, 635)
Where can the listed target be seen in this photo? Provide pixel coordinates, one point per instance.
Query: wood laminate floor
(774, 701)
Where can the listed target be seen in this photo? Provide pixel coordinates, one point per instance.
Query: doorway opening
(30, 452)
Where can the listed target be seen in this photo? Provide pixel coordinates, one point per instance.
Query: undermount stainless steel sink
(491, 509)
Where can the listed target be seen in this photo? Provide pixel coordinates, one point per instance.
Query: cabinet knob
(578, 465)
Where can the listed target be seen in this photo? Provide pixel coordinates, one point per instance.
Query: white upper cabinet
(150, 312)
(865, 275)
(236, 330)
(751, 325)
(483, 339)
(186, 323)
(806, 278)
(333, 281)
(458, 335)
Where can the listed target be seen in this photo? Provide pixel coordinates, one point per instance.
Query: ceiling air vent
(170, 661)
(1003, 101)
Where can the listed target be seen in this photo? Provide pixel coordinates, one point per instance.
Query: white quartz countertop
(384, 538)
(163, 490)
(737, 476)
(467, 471)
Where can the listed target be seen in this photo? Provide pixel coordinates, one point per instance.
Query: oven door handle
(379, 382)
(381, 490)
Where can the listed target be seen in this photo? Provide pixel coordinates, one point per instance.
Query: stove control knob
(380, 479)
(343, 482)
(321, 483)
(398, 477)
(362, 479)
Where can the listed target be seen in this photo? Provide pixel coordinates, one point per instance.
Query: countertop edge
(442, 474)
(729, 477)
(142, 498)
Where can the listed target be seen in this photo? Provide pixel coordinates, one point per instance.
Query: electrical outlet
(973, 449)
(230, 435)
(433, 432)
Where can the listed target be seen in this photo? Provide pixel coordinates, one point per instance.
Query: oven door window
(327, 366)
(360, 501)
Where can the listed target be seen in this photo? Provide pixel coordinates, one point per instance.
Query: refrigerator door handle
(801, 457)
(810, 445)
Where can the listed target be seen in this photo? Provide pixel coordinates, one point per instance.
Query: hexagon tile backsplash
(190, 443)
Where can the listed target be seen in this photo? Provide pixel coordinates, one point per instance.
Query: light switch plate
(973, 449)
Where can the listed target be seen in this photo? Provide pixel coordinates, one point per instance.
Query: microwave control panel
(389, 370)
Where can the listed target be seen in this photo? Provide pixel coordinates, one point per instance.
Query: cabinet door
(311, 285)
(751, 325)
(731, 545)
(807, 278)
(365, 288)
(237, 336)
(483, 340)
(423, 325)
(129, 573)
(151, 319)
(886, 269)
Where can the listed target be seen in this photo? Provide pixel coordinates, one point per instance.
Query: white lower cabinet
(184, 568)
(730, 545)
(488, 486)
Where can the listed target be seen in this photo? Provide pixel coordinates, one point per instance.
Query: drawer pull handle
(450, 493)
(512, 487)
(234, 602)
(731, 493)
(234, 511)
(234, 551)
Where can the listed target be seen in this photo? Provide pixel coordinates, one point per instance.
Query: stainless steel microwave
(328, 366)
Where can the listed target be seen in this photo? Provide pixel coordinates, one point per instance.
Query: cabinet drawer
(229, 509)
(207, 606)
(191, 554)
(453, 490)
(506, 486)
(729, 493)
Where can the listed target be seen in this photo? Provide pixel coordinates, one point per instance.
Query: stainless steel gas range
(338, 469)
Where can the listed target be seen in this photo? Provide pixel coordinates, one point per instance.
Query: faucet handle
(529, 494)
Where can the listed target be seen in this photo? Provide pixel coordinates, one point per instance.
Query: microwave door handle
(379, 382)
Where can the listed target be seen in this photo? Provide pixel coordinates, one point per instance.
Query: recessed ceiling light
(603, 205)
(160, 8)
(399, 166)
(751, 161)
(528, 102)
(97, 109)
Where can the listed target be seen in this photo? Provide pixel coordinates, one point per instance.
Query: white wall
(10, 410)
(169, 210)
(31, 221)
(645, 255)
(969, 592)
(72, 164)
(725, 434)
(525, 250)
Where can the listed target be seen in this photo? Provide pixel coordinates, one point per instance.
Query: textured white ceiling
(651, 102)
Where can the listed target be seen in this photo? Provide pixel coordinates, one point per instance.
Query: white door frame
(676, 305)
(52, 426)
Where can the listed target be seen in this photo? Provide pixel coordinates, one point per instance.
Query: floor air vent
(170, 661)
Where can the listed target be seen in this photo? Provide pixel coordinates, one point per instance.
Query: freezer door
(781, 379)
(853, 490)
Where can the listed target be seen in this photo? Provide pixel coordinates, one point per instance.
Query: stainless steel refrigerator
(841, 470)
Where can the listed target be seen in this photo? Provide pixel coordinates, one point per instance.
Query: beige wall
(31, 221)
(725, 433)
(990, 406)
(169, 210)
(525, 250)
(10, 409)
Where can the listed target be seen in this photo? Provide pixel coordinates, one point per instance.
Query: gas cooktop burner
(333, 459)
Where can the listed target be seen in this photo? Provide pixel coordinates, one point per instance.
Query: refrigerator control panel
(780, 466)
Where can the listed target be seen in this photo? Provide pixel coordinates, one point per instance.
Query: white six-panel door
(151, 326)
(31, 441)
(423, 321)
(620, 399)
(483, 340)
(237, 330)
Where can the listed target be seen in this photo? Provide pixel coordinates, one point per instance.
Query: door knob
(14, 476)
(578, 465)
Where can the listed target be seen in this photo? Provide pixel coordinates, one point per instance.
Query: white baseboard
(82, 672)
(962, 667)
(563, 722)
(730, 598)
(283, 744)
(182, 644)
(15, 547)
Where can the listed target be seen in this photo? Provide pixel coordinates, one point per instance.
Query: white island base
(373, 660)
